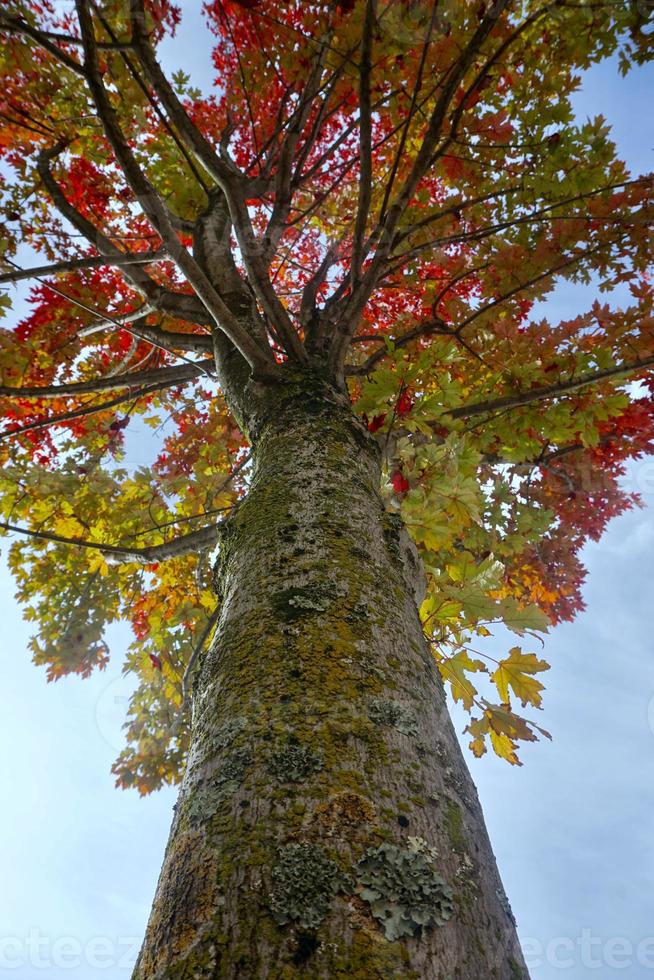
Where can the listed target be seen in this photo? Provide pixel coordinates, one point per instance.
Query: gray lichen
(504, 902)
(294, 603)
(293, 763)
(304, 882)
(393, 715)
(223, 736)
(404, 891)
(211, 793)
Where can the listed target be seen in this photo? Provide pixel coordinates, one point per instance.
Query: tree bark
(327, 826)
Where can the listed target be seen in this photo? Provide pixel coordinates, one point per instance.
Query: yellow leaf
(455, 670)
(504, 747)
(97, 563)
(516, 672)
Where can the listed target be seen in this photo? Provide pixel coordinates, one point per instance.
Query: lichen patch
(304, 882)
(404, 891)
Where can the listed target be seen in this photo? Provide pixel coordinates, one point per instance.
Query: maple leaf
(404, 404)
(376, 422)
(516, 672)
(399, 482)
(455, 670)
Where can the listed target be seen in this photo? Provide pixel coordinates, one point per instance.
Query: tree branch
(260, 359)
(167, 376)
(549, 391)
(224, 173)
(13, 25)
(365, 143)
(234, 185)
(175, 304)
(71, 265)
(186, 544)
(347, 317)
(93, 409)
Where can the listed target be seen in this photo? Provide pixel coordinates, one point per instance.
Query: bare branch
(172, 341)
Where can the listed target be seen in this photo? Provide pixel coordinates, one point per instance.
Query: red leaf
(399, 481)
(376, 422)
(404, 403)
(124, 340)
(155, 661)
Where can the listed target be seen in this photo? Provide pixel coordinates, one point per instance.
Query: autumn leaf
(455, 670)
(516, 672)
(400, 482)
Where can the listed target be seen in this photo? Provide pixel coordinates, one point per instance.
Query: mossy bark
(327, 826)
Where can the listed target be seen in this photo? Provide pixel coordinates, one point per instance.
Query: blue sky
(572, 829)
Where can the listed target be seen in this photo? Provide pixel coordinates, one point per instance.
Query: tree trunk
(327, 826)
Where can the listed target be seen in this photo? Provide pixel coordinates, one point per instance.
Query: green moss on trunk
(321, 741)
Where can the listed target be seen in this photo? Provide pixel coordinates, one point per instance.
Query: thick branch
(79, 413)
(160, 376)
(224, 173)
(549, 391)
(365, 143)
(134, 323)
(261, 360)
(234, 186)
(172, 340)
(175, 304)
(186, 544)
(89, 262)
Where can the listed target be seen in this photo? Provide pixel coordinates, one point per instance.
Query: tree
(315, 285)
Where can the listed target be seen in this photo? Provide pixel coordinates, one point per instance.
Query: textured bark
(324, 766)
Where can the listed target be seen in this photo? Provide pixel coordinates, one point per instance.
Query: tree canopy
(381, 192)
